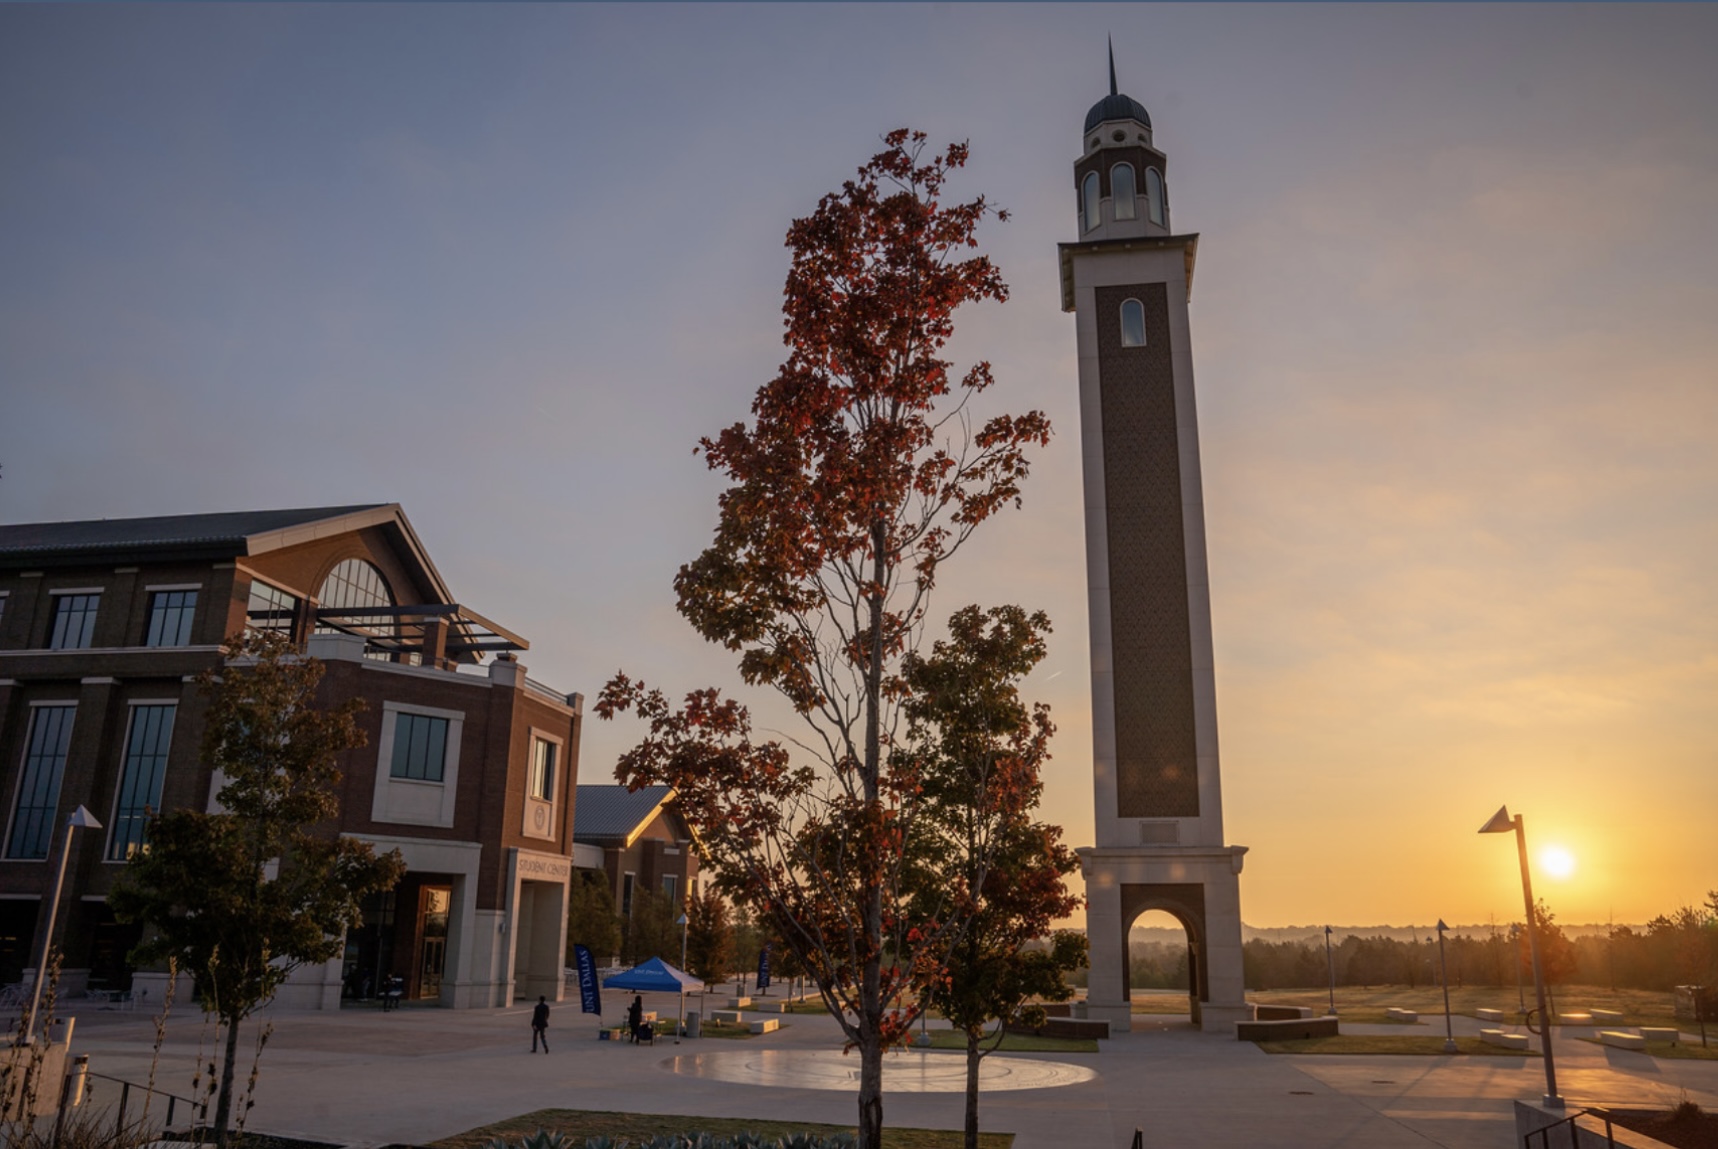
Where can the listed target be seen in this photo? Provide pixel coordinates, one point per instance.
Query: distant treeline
(1680, 948)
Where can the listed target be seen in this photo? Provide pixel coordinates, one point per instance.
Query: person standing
(635, 1016)
(540, 1025)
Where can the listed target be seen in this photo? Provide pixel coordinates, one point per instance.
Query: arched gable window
(1154, 195)
(1091, 210)
(1122, 191)
(355, 583)
(1132, 323)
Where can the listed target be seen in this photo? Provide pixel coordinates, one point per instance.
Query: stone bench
(765, 1025)
(1503, 1040)
(774, 1005)
(1574, 1019)
(726, 1017)
(739, 1002)
(1403, 1015)
(1281, 1012)
(1286, 1029)
(1606, 1016)
(1622, 1040)
(1489, 1015)
(1660, 1033)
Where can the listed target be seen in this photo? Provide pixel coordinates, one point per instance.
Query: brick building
(469, 770)
(645, 843)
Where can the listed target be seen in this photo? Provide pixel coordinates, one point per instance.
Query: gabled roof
(614, 815)
(225, 534)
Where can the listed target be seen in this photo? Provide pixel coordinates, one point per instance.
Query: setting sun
(1556, 862)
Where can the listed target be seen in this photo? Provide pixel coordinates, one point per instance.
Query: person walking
(540, 1025)
(635, 1016)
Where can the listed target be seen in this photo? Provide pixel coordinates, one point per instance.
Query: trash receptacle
(694, 1025)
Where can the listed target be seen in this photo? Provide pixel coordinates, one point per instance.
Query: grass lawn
(1420, 1045)
(1638, 1006)
(726, 1029)
(1672, 1051)
(1159, 1003)
(579, 1124)
(1017, 1043)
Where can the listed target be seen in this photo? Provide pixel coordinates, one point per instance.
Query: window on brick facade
(543, 769)
(271, 608)
(627, 881)
(356, 583)
(420, 747)
(140, 780)
(74, 621)
(1132, 323)
(170, 614)
(39, 781)
(671, 887)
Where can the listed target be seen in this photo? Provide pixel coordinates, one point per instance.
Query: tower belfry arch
(1156, 781)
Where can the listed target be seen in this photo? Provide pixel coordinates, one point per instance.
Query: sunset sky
(1455, 330)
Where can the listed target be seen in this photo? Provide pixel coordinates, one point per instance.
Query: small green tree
(650, 931)
(709, 937)
(591, 920)
(243, 897)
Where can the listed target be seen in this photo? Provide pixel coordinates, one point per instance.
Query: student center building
(469, 770)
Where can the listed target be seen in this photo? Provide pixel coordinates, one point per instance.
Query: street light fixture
(79, 819)
(1502, 823)
(1444, 974)
(1330, 960)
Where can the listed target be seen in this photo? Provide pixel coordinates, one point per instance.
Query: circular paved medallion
(906, 1072)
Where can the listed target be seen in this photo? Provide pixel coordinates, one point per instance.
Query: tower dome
(1116, 106)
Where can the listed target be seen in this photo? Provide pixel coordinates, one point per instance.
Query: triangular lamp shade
(1501, 822)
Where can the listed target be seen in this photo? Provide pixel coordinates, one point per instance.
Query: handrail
(1544, 1131)
(202, 1107)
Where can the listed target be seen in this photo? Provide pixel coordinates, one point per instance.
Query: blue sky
(505, 264)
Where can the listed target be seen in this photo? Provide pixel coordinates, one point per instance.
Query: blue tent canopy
(654, 976)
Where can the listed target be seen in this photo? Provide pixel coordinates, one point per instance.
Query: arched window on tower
(1122, 192)
(1132, 323)
(1091, 210)
(1154, 195)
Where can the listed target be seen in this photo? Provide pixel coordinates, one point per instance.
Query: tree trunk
(973, 1057)
(871, 971)
(224, 1102)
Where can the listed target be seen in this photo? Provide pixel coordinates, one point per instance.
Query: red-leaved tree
(860, 473)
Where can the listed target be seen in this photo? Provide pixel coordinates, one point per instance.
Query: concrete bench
(726, 1017)
(1622, 1040)
(1574, 1019)
(1402, 1015)
(1503, 1040)
(739, 1003)
(765, 1025)
(1281, 1012)
(1286, 1029)
(1606, 1016)
(1489, 1015)
(1660, 1033)
(774, 1005)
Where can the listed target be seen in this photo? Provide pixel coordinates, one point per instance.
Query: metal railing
(201, 1108)
(1544, 1132)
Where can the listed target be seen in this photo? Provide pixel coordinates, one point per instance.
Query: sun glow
(1556, 862)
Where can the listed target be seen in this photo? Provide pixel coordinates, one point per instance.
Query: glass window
(39, 783)
(627, 881)
(420, 747)
(1090, 206)
(140, 780)
(543, 769)
(356, 583)
(1122, 193)
(1132, 323)
(74, 621)
(170, 614)
(1154, 195)
(270, 609)
(671, 886)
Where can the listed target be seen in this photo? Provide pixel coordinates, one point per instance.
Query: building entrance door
(434, 903)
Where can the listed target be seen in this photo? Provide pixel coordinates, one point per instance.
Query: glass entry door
(433, 905)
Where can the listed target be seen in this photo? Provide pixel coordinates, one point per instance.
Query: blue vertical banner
(590, 1001)
(764, 968)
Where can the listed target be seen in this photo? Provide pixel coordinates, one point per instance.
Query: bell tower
(1158, 793)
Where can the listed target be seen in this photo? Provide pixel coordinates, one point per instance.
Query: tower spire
(1112, 44)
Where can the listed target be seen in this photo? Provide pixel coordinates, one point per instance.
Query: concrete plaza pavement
(362, 1077)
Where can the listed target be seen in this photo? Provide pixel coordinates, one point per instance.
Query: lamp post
(1444, 975)
(684, 923)
(79, 819)
(1502, 823)
(1330, 961)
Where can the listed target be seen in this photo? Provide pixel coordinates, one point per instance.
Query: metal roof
(1116, 106)
(614, 813)
(229, 528)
